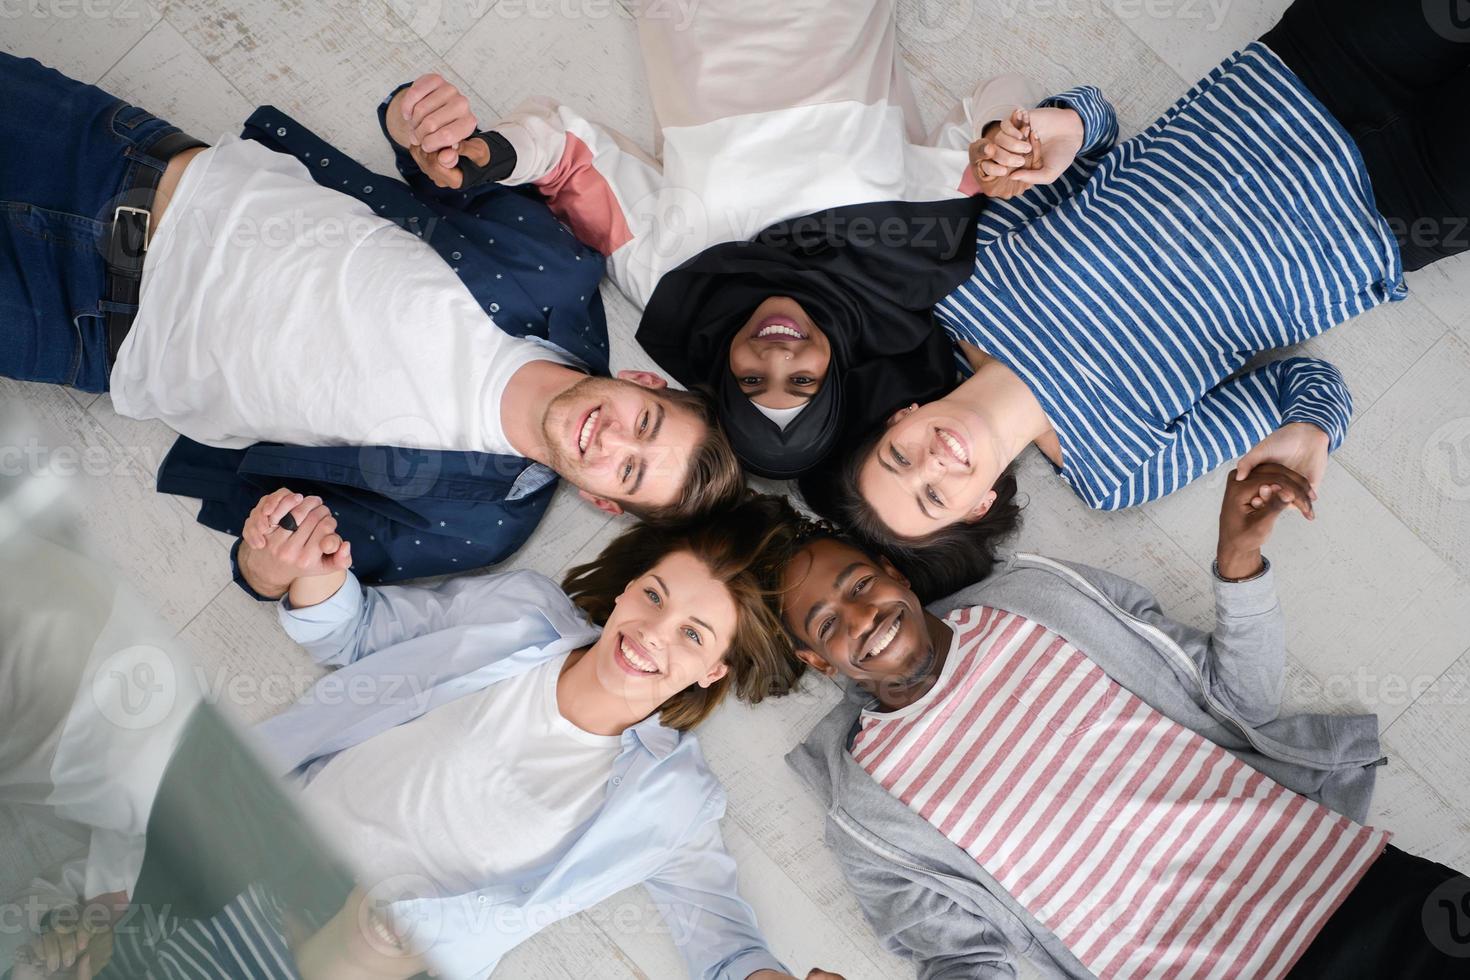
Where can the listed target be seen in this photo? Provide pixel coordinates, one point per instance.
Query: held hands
(432, 120)
(74, 950)
(1298, 446)
(1033, 146)
(1249, 512)
(273, 557)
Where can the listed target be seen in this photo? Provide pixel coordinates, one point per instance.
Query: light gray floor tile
(170, 560)
(321, 63)
(81, 38)
(1412, 450)
(166, 75)
(1445, 289)
(1192, 36)
(1431, 737)
(1370, 609)
(582, 55)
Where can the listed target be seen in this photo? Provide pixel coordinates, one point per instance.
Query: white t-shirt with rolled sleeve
(275, 309)
(479, 789)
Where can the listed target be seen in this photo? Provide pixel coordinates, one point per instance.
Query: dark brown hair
(714, 480)
(744, 548)
(942, 561)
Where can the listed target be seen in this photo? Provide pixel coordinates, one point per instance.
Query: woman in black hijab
(815, 330)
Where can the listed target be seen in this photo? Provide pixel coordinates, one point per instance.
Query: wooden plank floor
(1377, 591)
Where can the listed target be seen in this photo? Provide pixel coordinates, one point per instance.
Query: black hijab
(868, 275)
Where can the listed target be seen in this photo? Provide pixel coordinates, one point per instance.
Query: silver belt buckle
(147, 221)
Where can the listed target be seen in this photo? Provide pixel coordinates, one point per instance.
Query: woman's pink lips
(622, 661)
(779, 321)
(945, 446)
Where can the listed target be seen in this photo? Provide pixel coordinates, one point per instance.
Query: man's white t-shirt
(275, 309)
(486, 786)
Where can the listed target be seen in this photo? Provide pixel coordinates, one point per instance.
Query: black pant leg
(1392, 926)
(1420, 167)
(1371, 60)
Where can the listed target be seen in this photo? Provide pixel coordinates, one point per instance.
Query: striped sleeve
(1099, 120)
(1235, 415)
(593, 178)
(1314, 391)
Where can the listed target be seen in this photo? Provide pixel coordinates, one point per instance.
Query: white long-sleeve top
(765, 111)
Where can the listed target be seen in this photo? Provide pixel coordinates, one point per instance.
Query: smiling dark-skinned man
(1045, 765)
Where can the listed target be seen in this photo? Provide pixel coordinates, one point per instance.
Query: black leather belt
(127, 239)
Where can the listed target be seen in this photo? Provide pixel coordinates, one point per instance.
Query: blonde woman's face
(670, 628)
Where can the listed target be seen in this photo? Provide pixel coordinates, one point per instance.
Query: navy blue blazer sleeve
(411, 513)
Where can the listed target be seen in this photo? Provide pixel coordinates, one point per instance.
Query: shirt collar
(656, 737)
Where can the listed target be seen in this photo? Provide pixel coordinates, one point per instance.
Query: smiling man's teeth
(585, 436)
(781, 329)
(642, 663)
(881, 643)
(954, 447)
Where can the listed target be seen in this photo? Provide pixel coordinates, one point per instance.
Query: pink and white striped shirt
(1147, 849)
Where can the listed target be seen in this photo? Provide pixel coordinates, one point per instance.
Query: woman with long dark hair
(1112, 307)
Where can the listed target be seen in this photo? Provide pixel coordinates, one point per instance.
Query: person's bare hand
(1057, 135)
(438, 115)
(1249, 512)
(69, 950)
(272, 555)
(1299, 446)
(452, 177)
(1003, 148)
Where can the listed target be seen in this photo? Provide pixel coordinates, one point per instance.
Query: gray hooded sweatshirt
(932, 902)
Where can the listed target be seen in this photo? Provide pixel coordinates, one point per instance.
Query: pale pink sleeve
(593, 178)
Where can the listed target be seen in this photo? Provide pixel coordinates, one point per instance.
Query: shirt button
(617, 780)
(525, 889)
(484, 900)
(281, 131)
(454, 255)
(325, 161)
(368, 189)
(494, 307)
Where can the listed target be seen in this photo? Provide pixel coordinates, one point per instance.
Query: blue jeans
(73, 152)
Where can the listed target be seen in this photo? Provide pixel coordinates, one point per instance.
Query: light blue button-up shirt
(403, 651)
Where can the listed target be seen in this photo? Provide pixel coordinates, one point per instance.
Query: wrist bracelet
(1265, 567)
(502, 161)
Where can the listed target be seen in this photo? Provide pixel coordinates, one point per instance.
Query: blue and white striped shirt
(1129, 293)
